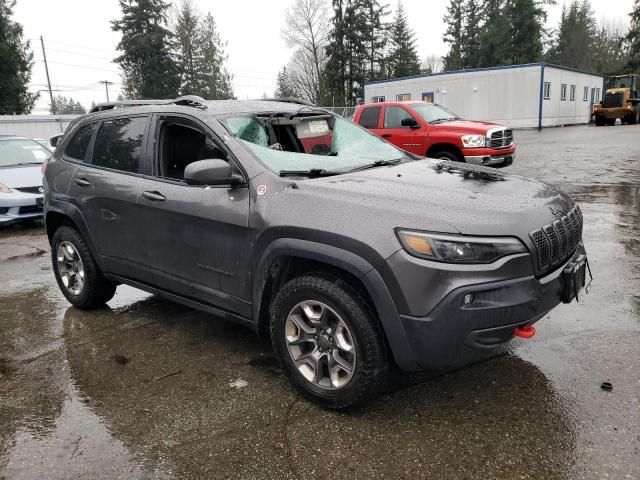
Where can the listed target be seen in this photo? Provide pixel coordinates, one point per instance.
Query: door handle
(154, 196)
(385, 135)
(81, 182)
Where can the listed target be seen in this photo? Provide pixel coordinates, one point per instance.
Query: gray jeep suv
(350, 253)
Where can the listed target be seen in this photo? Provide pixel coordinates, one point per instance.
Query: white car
(21, 189)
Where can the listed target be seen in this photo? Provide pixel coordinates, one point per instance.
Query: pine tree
(454, 35)
(336, 63)
(210, 65)
(16, 60)
(526, 21)
(403, 57)
(633, 39)
(66, 106)
(148, 67)
(471, 37)
(375, 39)
(186, 28)
(495, 34)
(285, 86)
(573, 44)
(609, 52)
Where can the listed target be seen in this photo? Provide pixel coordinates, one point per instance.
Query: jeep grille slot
(555, 243)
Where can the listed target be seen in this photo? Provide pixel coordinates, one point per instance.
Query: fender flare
(73, 213)
(355, 265)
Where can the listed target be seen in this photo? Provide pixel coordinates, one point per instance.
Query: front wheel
(328, 341)
(599, 121)
(76, 272)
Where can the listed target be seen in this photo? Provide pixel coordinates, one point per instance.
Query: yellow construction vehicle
(621, 100)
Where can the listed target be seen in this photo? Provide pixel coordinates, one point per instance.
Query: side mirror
(213, 171)
(409, 122)
(53, 141)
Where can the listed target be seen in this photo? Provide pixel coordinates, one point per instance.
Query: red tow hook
(524, 332)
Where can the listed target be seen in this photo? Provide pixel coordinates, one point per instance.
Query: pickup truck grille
(501, 138)
(612, 100)
(555, 243)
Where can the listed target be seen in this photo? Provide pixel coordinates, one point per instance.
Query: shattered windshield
(287, 143)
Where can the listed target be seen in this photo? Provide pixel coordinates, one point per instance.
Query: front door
(406, 138)
(196, 238)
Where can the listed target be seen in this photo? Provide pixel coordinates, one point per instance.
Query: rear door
(406, 138)
(196, 238)
(105, 187)
(370, 118)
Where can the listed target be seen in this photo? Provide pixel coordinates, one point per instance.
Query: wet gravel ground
(145, 388)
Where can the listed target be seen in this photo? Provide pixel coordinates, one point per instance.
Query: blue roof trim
(486, 69)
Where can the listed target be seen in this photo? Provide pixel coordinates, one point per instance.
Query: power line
(73, 65)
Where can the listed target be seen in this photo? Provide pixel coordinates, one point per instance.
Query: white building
(520, 96)
(34, 126)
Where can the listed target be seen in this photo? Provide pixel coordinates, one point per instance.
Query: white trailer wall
(507, 95)
(556, 111)
(34, 126)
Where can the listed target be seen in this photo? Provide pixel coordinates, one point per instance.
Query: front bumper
(17, 206)
(458, 332)
(502, 159)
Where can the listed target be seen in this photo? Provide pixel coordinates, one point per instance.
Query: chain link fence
(345, 112)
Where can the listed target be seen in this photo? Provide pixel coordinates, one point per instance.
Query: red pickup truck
(431, 130)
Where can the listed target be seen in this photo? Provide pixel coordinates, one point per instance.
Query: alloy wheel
(320, 344)
(70, 267)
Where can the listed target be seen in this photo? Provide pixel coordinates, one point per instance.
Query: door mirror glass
(409, 122)
(211, 171)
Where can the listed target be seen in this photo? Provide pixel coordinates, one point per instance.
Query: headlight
(473, 141)
(458, 249)
(4, 189)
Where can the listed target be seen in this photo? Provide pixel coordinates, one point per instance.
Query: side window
(118, 144)
(547, 90)
(369, 117)
(585, 95)
(393, 117)
(572, 93)
(403, 97)
(563, 92)
(377, 99)
(182, 143)
(78, 145)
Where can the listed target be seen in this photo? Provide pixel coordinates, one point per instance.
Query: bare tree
(307, 31)
(432, 64)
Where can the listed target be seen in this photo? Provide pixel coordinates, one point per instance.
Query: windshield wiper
(377, 163)
(312, 172)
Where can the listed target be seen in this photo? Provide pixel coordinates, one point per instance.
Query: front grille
(38, 189)
(555, 243)
(612, 100)
(30, 209)
(501, 138)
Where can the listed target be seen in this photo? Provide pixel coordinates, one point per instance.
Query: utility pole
(46, 69)
(106, 86)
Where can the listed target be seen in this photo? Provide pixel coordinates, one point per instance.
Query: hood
(21, 176)
(429, 195)
(466, 126)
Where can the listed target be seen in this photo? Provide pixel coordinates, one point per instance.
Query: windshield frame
(399, 156)
(27, 144)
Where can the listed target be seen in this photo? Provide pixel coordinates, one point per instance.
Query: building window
(563, 92)
(597, 94)
(403, 97)
(572, 93)
(378, 99)
(547, 90)
(585, 95)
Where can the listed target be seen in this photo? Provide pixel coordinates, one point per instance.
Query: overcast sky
(80, 44)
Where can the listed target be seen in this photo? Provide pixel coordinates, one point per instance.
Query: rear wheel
(76, 272)
(599, 121)
(634, 118)
(328, 341)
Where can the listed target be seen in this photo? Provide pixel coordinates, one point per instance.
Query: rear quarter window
(79, 143)
(118, 144)
(369, 117)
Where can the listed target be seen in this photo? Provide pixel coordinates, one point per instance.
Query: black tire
(446, 155)
(599, 121)
(371, 365)
(610, 121)
(96, 290)
(634, 118)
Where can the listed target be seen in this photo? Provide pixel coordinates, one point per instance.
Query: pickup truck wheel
(447, 155)
(328, 341)
(76, 272)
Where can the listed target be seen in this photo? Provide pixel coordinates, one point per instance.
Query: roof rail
(288, 100)
(186, 100)
(190, 101)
